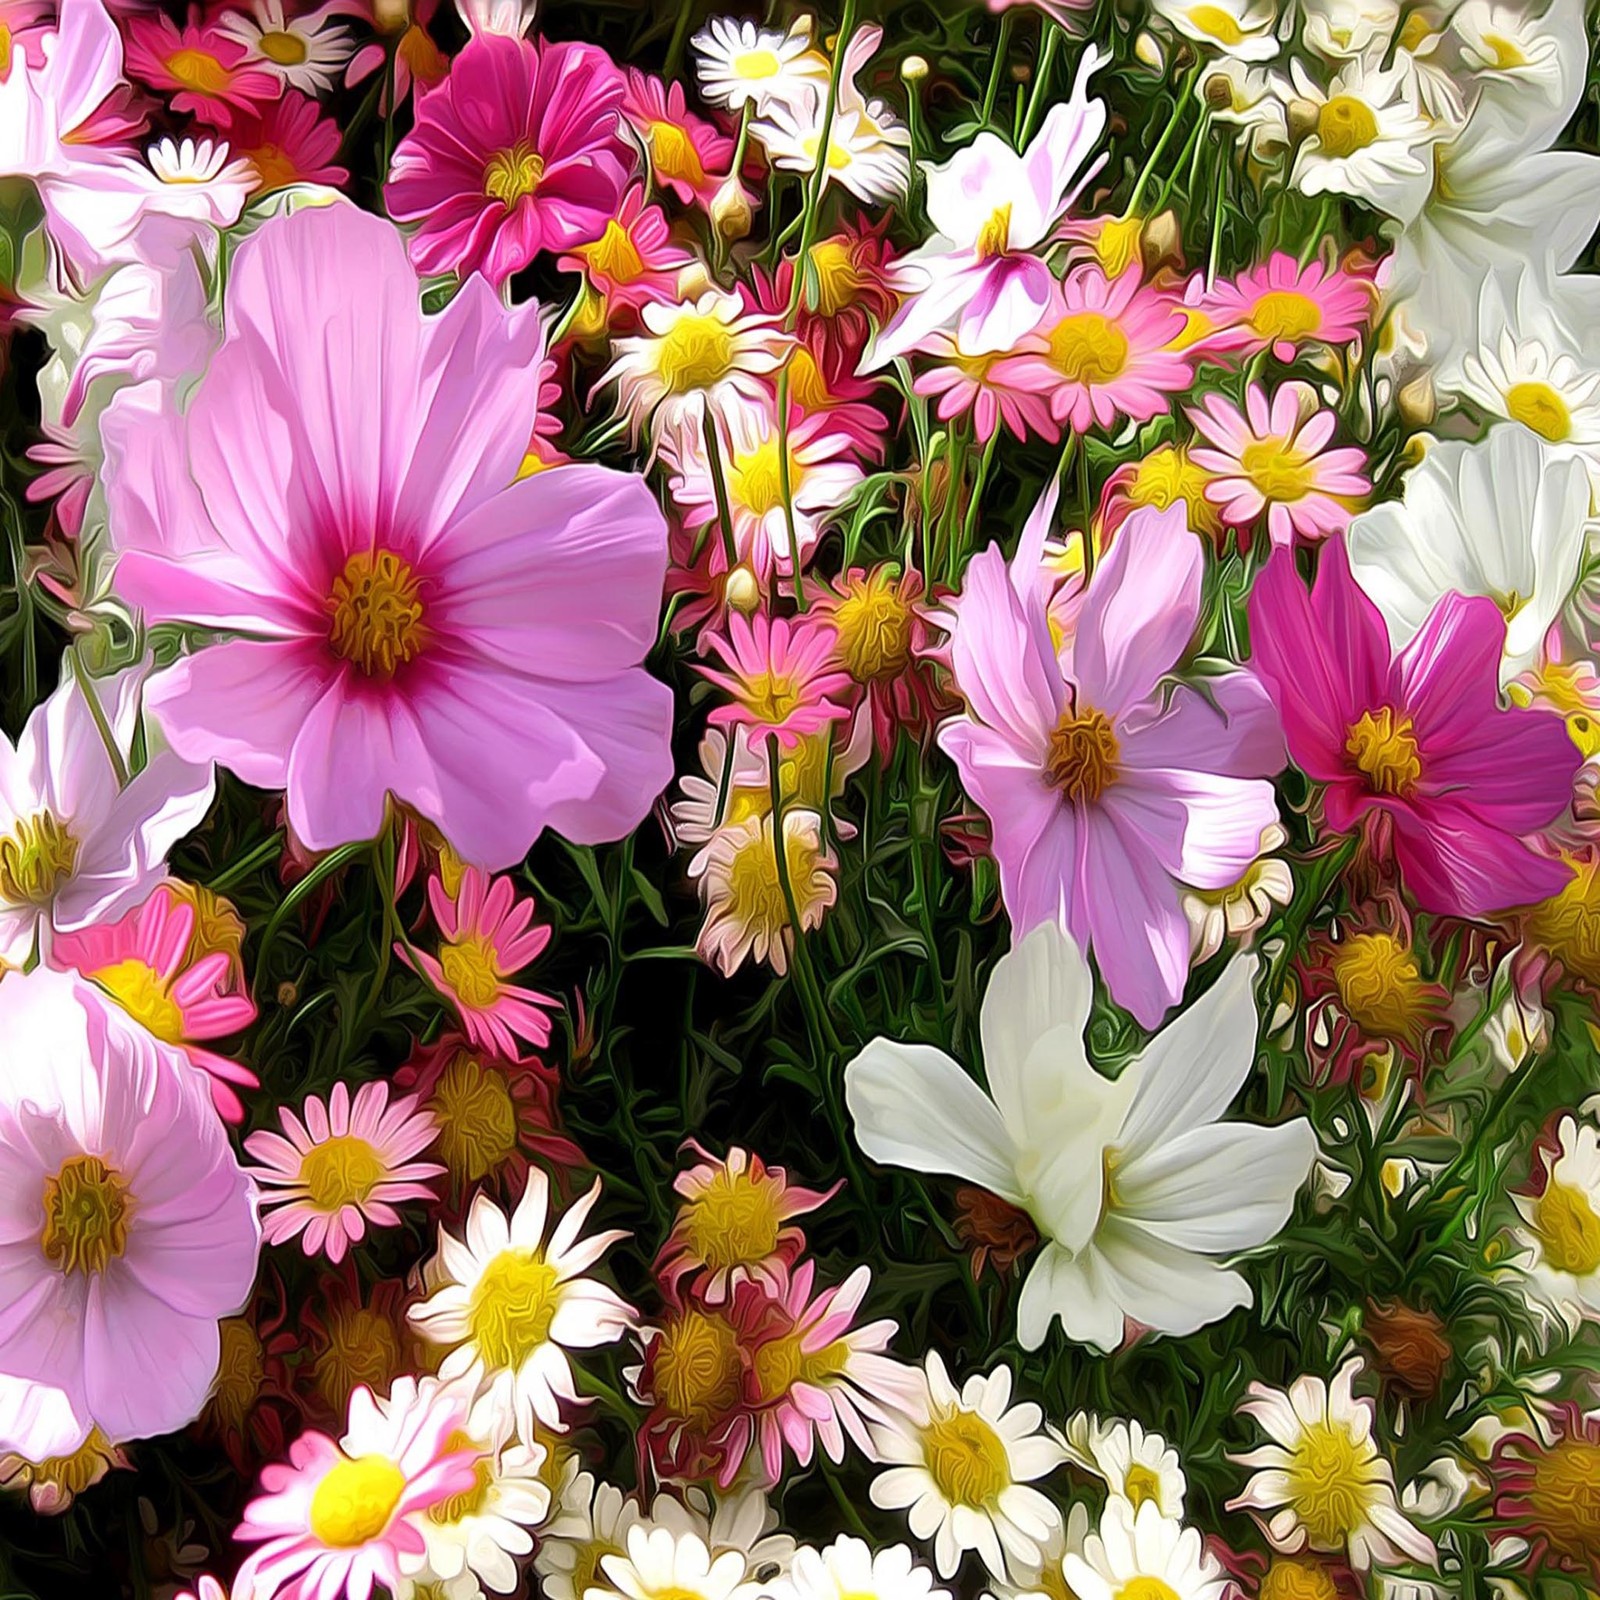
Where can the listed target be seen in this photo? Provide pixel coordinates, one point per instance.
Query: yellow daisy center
(35, 857)
(341, 1171)
(839, 156)
(1568, 1228)
(1116, 245)
(513, 174)
(614, 255)
(874, 627)
(1083, 757)
(1146, 1588)
(1384, 750)
(199, 70)
(143, 994)
(835, 275)
(1215, 23)
(1380, 985)
(1285, 314)
(697, 1366)
(1088, 347)
(733, 1221)
(1167, 477)
(86, 1207)
(755, 480)
(1564, 1499)
(512, 1306)
(458, 1507)
(781, 1363)
(362, 1348)
(673, 155)
(695, 352)
(283, 48)
(471, 970)
(1141, 1484)
(966, 1459)
(755, 896)
(241, 1370)
(1331, 1474)
(756, 65)
(477, 1118)
(355, 1499)
(1568, 924)
(376, 613)
(80, 1470)
(1294, 1578)
(1280, 473)
(1345, 125)
(1537, 406)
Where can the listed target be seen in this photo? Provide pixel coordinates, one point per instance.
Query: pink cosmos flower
(1274, 459)
(1282, 306)
(205, 72)
(689, 155)
(1107, 787)
(338, 1518)
(487, 940)
(1103, 349)
(289, 141)
(27, 24)
(49, 97)
(148, 963)
(1419, 740)
(781, 674)
(518, 151)
(982, 386)
(128, 1229)
(633, 260)
(341, 496)
(348, 1164)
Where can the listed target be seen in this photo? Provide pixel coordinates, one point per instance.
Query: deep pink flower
(688, 155)
(1108, 787)
(203, 71)
(633, 259)
(1419, 739)
(289, 141)
(518, 151)
(1282, 306)
(342, 491)
(781, 674)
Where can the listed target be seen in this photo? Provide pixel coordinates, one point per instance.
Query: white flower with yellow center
(743, 1520)
(1252, 98)
(662, 1565)
(589, 1521)
(1561, 1225)
(512, 1304)
(1321, 1484)
(305, 52)
(849, 1569)
(1243, 29)
(1136, 1466)
(742, 65)
(962, 1469)
(1047, 1580)
(1144, 1556)
(1242, 909)
(1339, 30)
(1506, 43)
(1369, 139)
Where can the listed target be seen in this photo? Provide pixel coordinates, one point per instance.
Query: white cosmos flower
(663, 1565)
(1243, 29)
(1561, 1226)
(513, 1304)
(1507, 518)
(849, 1569)
(961, 1470)
(1321, 1483)
(1143, 1553)
(1136, 1465)
(1133, 1183)
(589, 1521)
(740, 64)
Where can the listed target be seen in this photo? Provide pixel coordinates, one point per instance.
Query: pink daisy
(1103, 350)
(688, 155)
(204, 71)
(348, 1164)
(1283, 306)
(487, 939)
(338, 1518)
(781, 674)
(1274, 458)
(289, 141)
(418, 62)
(633, 260)
(994, 393)
(149, 962)
(518, 151)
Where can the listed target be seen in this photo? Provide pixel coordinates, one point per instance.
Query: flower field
(799, 805)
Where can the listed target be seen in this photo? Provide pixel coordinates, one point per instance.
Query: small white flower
(849, 1569)
(1243, 908)
(1243, 29)
(868, 150)
(1137, 1466)
(1252, 98)
(1143, 1553)
(588, 1522)
(662, 1565)
(305, 52)
(743, 1520)
(1561, 1225)
(1045, 1579)
(742, 65)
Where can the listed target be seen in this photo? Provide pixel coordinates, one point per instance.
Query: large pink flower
(1420, 739)
(127, 1230)
(342, 490)
(519, 150)
(1106, 786)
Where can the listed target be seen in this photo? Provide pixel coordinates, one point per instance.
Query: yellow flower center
(1506, 54)
(756, 65)
(5, 52)
(1565, 1499)
(1331, 1477)
(477, 1118)
(1345, 125)
(835, 276)
(142, 993)
(472, 971)
(1538, 406)
(1082, 762)
(697, 1366)
(458, 1507)
(995, 234)
(1087, 347)
(35, 857)
(341, 1171)
(1167, 477)
(733, 1221)
(614, 255)
(513, 174)
(200, 70)
(755, 896)
(362, 1348)
(1146, 1588)
(1116, 245)
(1141, 1484)
(286, 49)
(1215, 23)
(1280, 473)
(966, 1459)
(1295, 1578)
(1568, 1228)
(673, 155)
(874, 627)
(80, 1470)
(781, 1363)
(1381, 987)
(241, 1370)
(807, 385)
(1285, 314)
(1384, 751)
(512, 1306)
(86, 1209)
(839, 156)
(1568, 924)
(376, 612)
(694, 353)
(755, 480)
(274, 167)
(355, 1499)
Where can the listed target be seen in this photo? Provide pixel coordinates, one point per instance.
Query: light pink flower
(1106, 785)
(341, 495)
(1282, 306)
(517, 152)
(338, 1518)
(487, 939)
(203, 71)
(987, 389)
(781, 674)
(127, 1229)
(346, 1165)
(147, 963)
(49, 97)
(1274, 459)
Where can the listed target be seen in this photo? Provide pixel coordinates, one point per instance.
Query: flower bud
(731, 210)
(914, 69)
(742, 591)
(1416, 402)
(1147, 49)
(1161, 243)
(1301, 116)
(1410, 1347)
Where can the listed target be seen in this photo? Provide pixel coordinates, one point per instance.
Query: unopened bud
(742, 591)
(693, 280)
(288, 994)
(1416, 402)
(1218, 92)
(1147, 49)
(914, 69)
(1301, 116)
(731, 211)
(1161, 242)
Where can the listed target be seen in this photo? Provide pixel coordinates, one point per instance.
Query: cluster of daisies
(1000, 607)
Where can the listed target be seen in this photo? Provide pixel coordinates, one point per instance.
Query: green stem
(1162, 143)
(238, 870)
(102, 726)
(1002, 48)
(1047, 58)
(719, 487)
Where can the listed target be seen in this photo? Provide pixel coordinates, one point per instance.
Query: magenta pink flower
(345, 1166)
(634, 258)
(148, 963)
(518, 151)
(341, 496)
(1420, 739)
(1283, 306)
(1108, 787)
(688, 155)
(1274, 459)
(487, 940)
(782, 675)
(289, 141)
(204, 72)
(1103, 350)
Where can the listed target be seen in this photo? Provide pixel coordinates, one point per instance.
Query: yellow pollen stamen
(1383, 750)
(995, 234)
(734, 1220)
(694, 353)
(341, 1171)
(477, 1119)
(1296, 1578)
(697, 1366)
(80, 1470)
(755, 479)
(1279, 472)
(512, 1306)
(1146, 1588)
(1331, 1477)
(282, 48)
(966, 1459)
(1116, 245)
(673, 155)
(1381, 986)
(1539, 407)
(86, 1208)
(1568, 1228)
(874, 627)
(354, 1501)
(472, 971)
(513, 174)
(1083, 755)
(1345, 125)
(1568, 924)
(1215, 23)
(1088, 347)
(835, 276)
(35, 857)
(1564, 1500)
(362, 1347)
(756, 65)
(1507, 54)
(375, 613)
(142, 992)
(241, 1370)
(1141, 1484)
(199, 70)
(1285, 314)
(614, 255)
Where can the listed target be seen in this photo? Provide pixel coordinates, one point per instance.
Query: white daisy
(743, 1520)
(1243, 29)
(512, 1305)
(1241, 910)
(1339, 30)
(1506, 43)
(961, 1471)
(1561, 1225)
(1144, 1553)
(588, 1522)
(1047, 1579)
(1137, 1466)
(1252, 98)
(662, 1565)
(1371, 139)
(742, 65)
(849, 1569)
(868, 149)
(307, 52)
(1507, 518)
(1321, 1483)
